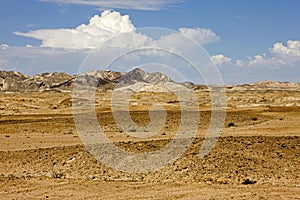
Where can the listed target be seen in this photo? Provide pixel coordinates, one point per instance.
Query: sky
(248, 40)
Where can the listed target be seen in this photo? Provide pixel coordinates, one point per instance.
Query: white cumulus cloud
(288, 54)
(4, 46)
(263, 60)
(85, 36)
(279, 55)
(109, 24)
(281, 63)
(292, 49)
(220, 59)
(201, 35)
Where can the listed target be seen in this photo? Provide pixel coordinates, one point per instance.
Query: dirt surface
(256, 157)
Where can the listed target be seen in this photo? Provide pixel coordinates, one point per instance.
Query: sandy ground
(42, 156)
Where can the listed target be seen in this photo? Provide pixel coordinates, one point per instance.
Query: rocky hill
(13, 81)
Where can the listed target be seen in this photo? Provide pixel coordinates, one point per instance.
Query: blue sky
(250, 44)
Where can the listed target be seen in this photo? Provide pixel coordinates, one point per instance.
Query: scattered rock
(248, 181)
(254, 118)
(231, 124)
(58, 175)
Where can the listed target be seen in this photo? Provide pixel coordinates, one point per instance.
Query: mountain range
(137, 79)
(13, 81)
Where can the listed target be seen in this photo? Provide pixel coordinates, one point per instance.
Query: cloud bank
(278, 55)
(280, 63)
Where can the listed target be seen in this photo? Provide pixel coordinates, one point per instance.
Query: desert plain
(256, 157)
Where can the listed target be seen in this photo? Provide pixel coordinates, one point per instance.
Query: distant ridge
(13, 81)
(267, 84)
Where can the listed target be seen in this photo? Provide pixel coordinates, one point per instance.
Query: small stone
(248, 182)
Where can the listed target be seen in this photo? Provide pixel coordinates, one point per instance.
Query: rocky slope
(13, 81)
(98, 78)
(137, 75)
